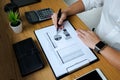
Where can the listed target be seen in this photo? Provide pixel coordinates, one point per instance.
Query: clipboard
(65, 55)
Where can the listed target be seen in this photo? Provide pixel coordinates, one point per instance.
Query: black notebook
(28, 56)
(21, 3)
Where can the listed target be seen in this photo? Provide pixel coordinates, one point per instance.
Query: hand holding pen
(58, 19)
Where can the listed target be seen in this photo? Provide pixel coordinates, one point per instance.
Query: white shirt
(109, 27)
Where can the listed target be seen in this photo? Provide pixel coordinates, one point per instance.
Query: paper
(65, 52)
(67, 45)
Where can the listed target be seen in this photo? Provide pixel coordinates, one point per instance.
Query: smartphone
(93, 75)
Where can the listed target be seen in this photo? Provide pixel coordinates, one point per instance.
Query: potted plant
(15, 22)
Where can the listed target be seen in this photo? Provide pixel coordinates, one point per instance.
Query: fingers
(63, 17)
(54, 19)
(60, 22)
(88, 37)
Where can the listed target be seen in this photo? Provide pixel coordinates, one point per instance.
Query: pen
(58, 17)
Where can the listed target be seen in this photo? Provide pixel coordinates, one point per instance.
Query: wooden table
(9, 69)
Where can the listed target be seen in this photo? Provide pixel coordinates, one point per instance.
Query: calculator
(39, 15)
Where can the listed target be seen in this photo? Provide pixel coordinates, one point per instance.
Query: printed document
(64, 49)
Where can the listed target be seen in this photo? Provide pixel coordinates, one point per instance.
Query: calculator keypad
(45, 14)
(39, 15)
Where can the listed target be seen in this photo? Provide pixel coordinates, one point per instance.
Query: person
(107, 31)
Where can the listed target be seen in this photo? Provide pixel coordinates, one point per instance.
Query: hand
(88, 37)
(60, 22)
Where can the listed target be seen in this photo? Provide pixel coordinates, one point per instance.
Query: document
(64, 49)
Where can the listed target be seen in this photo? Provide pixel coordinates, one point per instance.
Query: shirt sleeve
(89, 4)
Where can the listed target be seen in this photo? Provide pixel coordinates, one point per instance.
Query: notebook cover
(28, 56)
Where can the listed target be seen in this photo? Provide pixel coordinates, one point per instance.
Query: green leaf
(13, 17)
